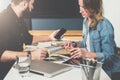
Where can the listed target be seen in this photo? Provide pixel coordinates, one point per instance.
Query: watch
(28, 53)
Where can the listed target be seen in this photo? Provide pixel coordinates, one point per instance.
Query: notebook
(48, 69)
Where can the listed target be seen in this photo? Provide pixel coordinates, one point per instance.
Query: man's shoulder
(8, 13)
(4, 15)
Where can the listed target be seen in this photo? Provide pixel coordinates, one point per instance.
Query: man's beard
(26, 13)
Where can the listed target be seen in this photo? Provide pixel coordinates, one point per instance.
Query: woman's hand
(76, 53)
(81, 52)
(66, 44)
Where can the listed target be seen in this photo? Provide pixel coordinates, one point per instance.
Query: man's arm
(38, 54)
(11, 55)
(37, 39)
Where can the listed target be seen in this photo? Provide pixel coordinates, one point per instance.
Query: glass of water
(23, 65)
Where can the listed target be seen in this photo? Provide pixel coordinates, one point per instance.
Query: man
(14, 34)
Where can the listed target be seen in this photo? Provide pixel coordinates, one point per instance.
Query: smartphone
(60, 33)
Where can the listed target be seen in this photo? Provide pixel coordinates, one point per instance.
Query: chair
(116, 75)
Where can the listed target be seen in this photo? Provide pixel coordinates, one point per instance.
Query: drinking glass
(23, 65)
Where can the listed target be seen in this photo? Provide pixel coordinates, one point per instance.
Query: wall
(112, 12)
(4, 4)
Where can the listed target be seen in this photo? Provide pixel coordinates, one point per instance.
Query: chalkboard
(56, 9)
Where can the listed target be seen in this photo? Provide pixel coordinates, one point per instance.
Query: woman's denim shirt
(101, 41)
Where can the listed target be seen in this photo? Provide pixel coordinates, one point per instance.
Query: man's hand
(39, 54)
(52, 35)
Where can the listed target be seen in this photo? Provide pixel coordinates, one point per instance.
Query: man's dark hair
(16, 2)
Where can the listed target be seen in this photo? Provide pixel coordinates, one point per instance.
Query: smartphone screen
(60, 33)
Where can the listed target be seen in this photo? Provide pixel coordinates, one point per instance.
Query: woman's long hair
(96, 11)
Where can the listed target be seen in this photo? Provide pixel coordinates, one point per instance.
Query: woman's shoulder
(105, 23)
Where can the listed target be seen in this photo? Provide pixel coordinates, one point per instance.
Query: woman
(98, 35)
